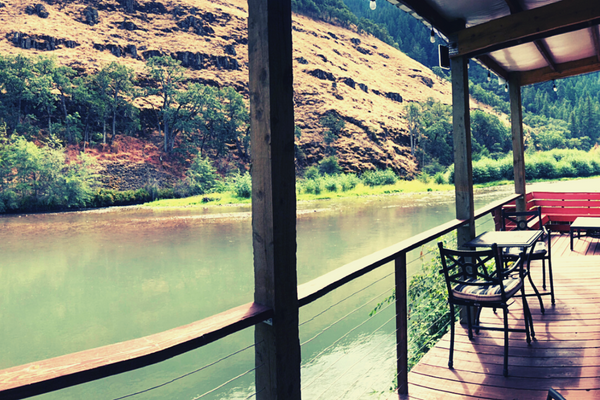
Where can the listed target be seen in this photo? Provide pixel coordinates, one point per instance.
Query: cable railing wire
(227, 382)
(345, 316)
(333, 344)
(188, 373)
(353, 365)
(346, 298)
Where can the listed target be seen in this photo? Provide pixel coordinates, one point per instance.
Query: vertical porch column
(463, 168)
(516, 122)
(277, 352)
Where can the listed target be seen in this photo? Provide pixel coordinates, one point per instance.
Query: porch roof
(540, 40)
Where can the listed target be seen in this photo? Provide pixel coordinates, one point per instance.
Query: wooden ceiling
(537, 40)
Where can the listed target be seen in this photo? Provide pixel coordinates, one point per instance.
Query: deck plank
(564, 356)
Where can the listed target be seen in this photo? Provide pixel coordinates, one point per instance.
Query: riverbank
(360, 190)
(591, 184)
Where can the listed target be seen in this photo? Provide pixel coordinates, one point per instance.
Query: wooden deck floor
(565, 355)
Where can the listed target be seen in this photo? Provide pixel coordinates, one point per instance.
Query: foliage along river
(74, 281)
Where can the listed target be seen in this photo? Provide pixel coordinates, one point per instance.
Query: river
(74, 281)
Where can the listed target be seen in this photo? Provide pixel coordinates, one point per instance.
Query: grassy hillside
(338, 74)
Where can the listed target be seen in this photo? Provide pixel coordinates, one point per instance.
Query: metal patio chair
(530, 220)
(477, 279)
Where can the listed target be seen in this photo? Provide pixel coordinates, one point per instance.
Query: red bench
(559, 209)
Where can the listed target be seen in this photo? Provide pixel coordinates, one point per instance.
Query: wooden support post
(463, 168)
(516, 119)
(277, 354)
(401, 324)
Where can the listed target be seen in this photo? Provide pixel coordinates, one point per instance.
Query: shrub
(312, 172)
(348, 181)
(313, 186)
(565, 169)
(427, 307)
(424, 177)
(331, 183)
(329, 166)
(379, 177)
(480, 173)
(582, 167)
(201, 176)
(243, 186)
(439, 178)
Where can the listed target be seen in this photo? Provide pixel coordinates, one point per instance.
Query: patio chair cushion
(470, 291)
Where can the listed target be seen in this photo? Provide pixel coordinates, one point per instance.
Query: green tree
(168, 74)
(120, 84)
(62, 81)
(412, 117)
(16, 74)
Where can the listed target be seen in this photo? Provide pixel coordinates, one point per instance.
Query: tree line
(40, 97)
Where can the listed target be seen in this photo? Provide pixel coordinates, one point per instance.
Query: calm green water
(70, 282)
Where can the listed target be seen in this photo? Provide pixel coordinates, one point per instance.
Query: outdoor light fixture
(432, 38)
(506, 87)
(489, 76)
(501, 81)
(554, 86)
(373, 5)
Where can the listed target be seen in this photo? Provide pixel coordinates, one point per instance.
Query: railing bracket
(269, 321)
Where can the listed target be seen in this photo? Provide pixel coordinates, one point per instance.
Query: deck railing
(73, 369)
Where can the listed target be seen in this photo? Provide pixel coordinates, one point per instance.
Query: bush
(311, 173)
(379, 177)
(243, 186)
(201, 176)
(427, 307)
(331, 183)
(313, 186)
(348, 181)
(565, 169)
(329, 166)
(439, 178)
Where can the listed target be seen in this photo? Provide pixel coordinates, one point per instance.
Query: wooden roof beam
(564, 70)
(543, 49)
(515, 7)
(527, 26)
(596, 39)
(491, 64)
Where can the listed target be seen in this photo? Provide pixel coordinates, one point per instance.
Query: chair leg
(476, 319)
(505, 371)
(551, 281)
(528, 317)
(450, 359)
(469, 322)
(537, 293)
(543, 274)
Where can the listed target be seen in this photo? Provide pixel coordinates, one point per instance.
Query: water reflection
(74, 281)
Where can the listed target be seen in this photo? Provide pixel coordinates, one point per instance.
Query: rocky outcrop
(324, 75)
(197, 25)
(90, 16)
(202, 61)
(39, 42)
(37, 9)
